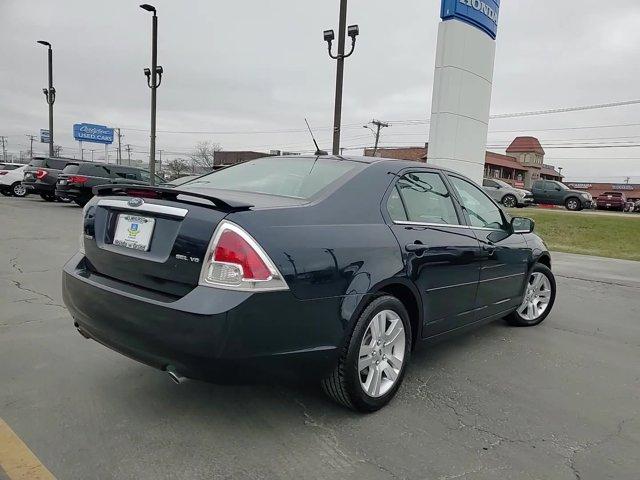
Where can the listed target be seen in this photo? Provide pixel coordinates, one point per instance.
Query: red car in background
(611, 201)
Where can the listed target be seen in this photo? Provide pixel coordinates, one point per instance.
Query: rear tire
(525, 315)
(48, 197)
(6, 193)
(510, 201)
(18, 190)
(573, 204)
(357, 371)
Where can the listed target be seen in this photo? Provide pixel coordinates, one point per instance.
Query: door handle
(415, 247)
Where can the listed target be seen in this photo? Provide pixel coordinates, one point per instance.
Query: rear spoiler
(166, 194)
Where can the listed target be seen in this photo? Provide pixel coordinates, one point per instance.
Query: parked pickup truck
(611, 201)
(551, 192)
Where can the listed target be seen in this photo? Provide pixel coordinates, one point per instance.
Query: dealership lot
(558, 401)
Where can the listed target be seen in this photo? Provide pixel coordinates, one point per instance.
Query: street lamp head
(329, 35)
(353, 31)
(148, 8)
(147, 72)
(46, 44)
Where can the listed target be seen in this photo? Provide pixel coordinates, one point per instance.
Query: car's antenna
(318, 151)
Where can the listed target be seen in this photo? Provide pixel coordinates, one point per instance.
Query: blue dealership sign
(482, 14)
(87, 132)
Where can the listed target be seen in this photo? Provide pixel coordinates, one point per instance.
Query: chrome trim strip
(145, 207)
(406, 222)
(503, 277)
(501, 301)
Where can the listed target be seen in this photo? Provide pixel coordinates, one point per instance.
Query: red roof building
(523, 164)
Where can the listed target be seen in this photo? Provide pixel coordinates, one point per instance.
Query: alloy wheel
(536, 298)
(509, 201)
(19, 190)
(572, 205)
(382, 353)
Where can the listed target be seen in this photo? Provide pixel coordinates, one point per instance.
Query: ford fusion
(325, 268)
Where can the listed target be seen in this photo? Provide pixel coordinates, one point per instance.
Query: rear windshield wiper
(146, 191)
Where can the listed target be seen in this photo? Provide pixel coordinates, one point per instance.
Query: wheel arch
(407, 293)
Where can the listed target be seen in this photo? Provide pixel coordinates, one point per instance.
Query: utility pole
(329, 36)
(4, 148)
(119, 162)
(31, 139)
(160, 161)
(50, 94)
(128, 148)
(379, 125)
(154, 78)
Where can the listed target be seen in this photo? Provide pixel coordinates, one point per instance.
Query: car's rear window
(38, 162)
(287, 177)
(71, 168)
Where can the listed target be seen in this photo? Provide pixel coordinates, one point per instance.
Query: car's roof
(376, 160)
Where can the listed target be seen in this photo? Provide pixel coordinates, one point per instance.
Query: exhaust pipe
(174, 375)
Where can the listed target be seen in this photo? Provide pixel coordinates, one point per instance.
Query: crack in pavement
(14, 264)
(571, 460)
(603, 282)
(595, 334)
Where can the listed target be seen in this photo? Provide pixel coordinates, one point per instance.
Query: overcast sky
(248, 72)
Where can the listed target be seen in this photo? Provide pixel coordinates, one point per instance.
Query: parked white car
(11, 182)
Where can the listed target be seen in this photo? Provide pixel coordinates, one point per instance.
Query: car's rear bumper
(209, 334)
(39, 187)
(67, 192)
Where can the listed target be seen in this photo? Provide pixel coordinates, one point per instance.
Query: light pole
(154, 78)
(50, 94)
(353, 31)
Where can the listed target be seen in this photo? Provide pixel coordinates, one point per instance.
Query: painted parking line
(17, 461)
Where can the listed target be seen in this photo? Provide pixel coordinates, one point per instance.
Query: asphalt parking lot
(560, 401)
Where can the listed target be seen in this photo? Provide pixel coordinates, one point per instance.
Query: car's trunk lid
(155, 243)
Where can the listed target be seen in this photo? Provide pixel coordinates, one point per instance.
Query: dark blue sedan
(325, 268)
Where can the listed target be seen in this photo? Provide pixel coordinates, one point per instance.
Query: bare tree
(204, 155)
(177, 167)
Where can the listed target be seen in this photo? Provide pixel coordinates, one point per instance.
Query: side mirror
(558, 189)
(522, 225)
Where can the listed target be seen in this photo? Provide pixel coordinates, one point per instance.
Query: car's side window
(427, 199)
(481, 210)
(395, 207)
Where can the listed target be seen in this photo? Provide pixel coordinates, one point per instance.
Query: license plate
(134, 231)
(62, 182)
(28, 175)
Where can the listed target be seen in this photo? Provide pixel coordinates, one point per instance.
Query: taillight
(77, 179)
(235, 261)
(40, 174)
(3, 172)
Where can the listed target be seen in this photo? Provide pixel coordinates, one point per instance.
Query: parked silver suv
(507, 195)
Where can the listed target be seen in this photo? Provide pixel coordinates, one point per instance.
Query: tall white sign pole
(462, 85)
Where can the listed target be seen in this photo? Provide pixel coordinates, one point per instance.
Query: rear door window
(425, 198)
(38, 162)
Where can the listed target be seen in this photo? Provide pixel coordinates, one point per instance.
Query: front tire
(538, 300)
(374, 359)
(573, 204)
(510, 201)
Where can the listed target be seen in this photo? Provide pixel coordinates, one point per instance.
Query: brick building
(630, 190)
(521, 166)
